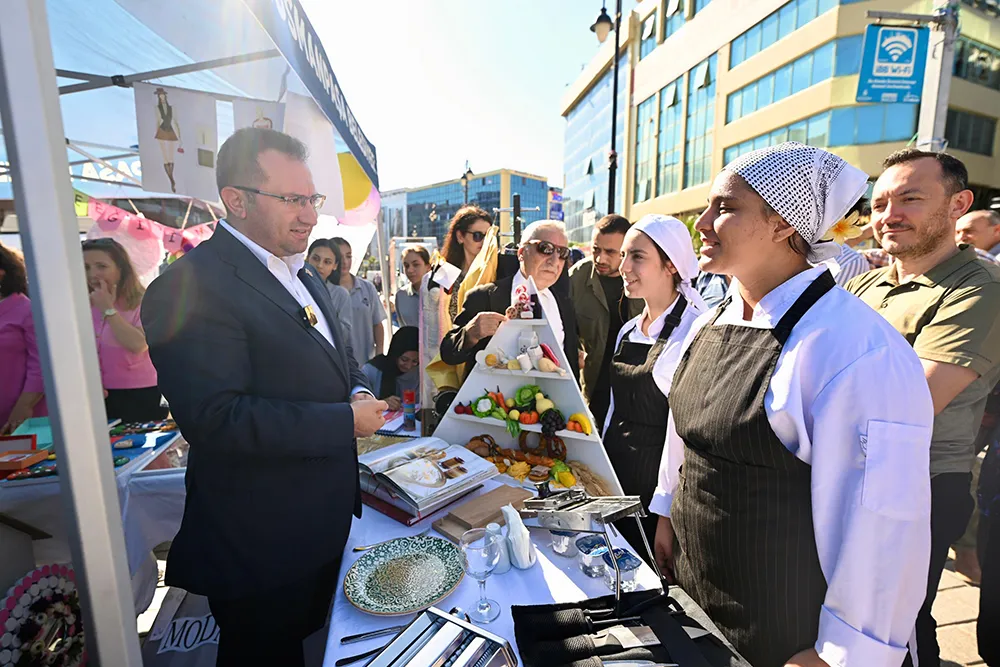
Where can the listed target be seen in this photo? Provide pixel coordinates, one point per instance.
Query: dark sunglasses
(548, 248)
(476, 236)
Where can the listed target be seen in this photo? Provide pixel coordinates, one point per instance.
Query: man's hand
(807, 658)
(394, 403)
(367, 417)
(482, 326)
(362, 396)
(663, 548)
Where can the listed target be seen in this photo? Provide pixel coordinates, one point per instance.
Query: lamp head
(602, 26)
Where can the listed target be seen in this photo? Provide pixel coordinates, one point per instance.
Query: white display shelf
(528, 374)
(533, 428)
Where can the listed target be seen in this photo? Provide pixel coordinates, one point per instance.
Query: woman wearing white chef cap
(800, 520)
(658, 264)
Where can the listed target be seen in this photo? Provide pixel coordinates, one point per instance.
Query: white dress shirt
(286, 271)
(666, 363)
(848, 264)
(848, 396)
(550, 307)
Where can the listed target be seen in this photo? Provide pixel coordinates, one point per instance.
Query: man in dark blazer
(542, 256)
(264, 387)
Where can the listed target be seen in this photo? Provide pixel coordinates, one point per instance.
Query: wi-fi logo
(897, 45)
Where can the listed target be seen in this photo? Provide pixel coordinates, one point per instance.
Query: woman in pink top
(127, 374)
(21, 389)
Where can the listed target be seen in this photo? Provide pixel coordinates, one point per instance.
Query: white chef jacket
(286, 271)
(670, 356)
(848, 396)
(550, 307)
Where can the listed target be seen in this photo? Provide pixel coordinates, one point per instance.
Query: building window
(670, 142)
(814, 67)
(977, 63)
(700, 120)
(675, 17)
(700, 5)
(778, 24)
(843, 126)
(649, 36)
(645, 149)
(970, 132)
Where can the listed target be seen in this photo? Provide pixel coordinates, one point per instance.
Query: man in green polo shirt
(945, 302)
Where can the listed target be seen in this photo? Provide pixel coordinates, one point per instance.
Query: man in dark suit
(542, 256)
(263, 385)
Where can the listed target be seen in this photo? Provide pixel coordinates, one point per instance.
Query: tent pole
(33, 131)
(126, 80)
(104, 162)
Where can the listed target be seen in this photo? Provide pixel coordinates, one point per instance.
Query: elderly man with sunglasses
(543, 254)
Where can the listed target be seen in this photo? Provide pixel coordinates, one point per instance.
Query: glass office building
(710, 81)
(429, 208)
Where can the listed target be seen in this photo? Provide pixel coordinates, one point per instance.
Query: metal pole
(465, 186)
(33, 131)
(517, 220)
(937, 77)
(613, 155)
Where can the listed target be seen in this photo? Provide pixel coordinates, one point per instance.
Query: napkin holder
(576, 511)
(467, 645)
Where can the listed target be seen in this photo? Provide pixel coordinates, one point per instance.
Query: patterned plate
(404, 576)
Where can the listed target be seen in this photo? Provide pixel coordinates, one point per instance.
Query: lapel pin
(310, 316)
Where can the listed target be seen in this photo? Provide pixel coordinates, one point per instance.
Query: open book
(422, 475)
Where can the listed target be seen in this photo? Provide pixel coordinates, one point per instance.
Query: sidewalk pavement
(956, 609)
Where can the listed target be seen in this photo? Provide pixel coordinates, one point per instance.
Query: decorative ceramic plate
(40, 620)
(404, 576)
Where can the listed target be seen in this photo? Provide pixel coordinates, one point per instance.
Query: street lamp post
(466, 177)
(602, 26)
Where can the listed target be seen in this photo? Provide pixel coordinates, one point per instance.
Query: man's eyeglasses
(299, 201)
(548, 248)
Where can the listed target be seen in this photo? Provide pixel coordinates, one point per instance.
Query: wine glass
(480, 554)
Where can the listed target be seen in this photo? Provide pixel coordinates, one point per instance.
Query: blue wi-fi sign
(892, 65)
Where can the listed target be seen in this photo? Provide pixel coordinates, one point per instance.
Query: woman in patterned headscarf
(798, 464)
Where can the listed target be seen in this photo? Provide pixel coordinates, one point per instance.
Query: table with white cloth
(151, 506)
(553, 579)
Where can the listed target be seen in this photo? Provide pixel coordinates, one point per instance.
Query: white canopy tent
(65, 70)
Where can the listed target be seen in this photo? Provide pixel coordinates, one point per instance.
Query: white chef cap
(809, 188)
(674, 239)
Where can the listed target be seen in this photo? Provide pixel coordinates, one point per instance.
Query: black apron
(638, 428)
(742, 513)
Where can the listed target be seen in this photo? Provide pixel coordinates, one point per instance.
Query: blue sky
(434, 83)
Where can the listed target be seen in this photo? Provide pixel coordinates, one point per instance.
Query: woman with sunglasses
(324, 256)
(128, 376)
(658, 264)
(543, 254)
(464, 241)
(390, 374)
(800, 520)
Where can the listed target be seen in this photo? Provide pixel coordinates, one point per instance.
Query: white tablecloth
(553, 579)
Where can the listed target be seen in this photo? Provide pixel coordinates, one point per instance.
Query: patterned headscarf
(809, 188)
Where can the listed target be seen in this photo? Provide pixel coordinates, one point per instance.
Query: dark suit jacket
(263, 399)
(495, 297)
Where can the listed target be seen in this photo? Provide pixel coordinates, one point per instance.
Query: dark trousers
(951, 507)
(268, 628)
(988, 627)
(134, 405)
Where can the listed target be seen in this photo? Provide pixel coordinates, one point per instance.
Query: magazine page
(392, 456)
(439, 471)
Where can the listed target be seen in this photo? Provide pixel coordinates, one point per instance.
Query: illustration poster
(178, 140)
(255, 113)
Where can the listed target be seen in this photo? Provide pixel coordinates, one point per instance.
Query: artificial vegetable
(542, 404)
(483, 407)
(525, 395)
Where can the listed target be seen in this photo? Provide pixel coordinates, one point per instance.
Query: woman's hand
(104, 296)
(21, 412)
(663, 548)
(394, 403)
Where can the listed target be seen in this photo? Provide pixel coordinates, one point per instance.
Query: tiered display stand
(561, 388)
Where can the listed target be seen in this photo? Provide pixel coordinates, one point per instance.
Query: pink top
(121, 369)
(20, 370)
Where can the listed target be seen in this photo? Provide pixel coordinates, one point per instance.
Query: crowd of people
(801, 417)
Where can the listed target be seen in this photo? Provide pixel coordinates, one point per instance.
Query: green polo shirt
(949, 315)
